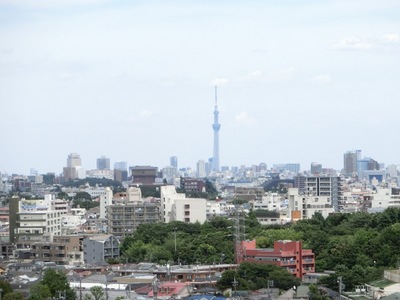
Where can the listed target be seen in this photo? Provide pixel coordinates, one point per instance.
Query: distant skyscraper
(74, 167)
(201, 169)
(120, 171)
(316, 168)
(121, 165)
(173, 161)
(350, 159)
(216, 126)
(103, 163)
(74, 160)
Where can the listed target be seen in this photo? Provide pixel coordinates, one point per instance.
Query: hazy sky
(299, 81)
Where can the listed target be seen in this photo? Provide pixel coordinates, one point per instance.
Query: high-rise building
(350, 159)
(173, 161)
(103, 163)
(316, 168)
(74, 167)
(74, 160)
(145, 175)
(329, 186)
(120, 171)
(216, 126)
(201, 169)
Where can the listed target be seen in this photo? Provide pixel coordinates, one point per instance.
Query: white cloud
(252, 76)
(219, 81)
(146, 114)
(391, 37)
(352, 44)
(141, 116)
(321, 79)
(65, 76)
(244, 119)
(282, 74)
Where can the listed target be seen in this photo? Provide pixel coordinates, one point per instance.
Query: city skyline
(299, 81)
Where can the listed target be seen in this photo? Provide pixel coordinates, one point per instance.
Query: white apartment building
(382, 199)
(201, 169)
(37, 218)
(105, 200)
(176, 207)
(106, 173)
(216, 208)
(305, 206)
(270, 202)
(95, 191)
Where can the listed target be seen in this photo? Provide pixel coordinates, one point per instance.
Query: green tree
(83, 195)
(40, 291)
(5, 287)
(14, 296)
(57, 281)
(96, 293)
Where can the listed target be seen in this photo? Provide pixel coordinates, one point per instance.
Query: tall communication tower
(240, 235)
(216, 126)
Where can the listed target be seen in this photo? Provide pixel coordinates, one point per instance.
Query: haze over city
(298, 81)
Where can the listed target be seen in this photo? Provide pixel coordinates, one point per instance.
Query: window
(187, 213)
(187, 206)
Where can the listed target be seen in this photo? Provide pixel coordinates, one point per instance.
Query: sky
(299, 81)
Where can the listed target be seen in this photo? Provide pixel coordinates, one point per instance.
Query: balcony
(288, 262)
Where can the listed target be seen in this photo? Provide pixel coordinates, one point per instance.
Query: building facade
(176, 207)
(103, 163)
(288, 255)
(100, 248)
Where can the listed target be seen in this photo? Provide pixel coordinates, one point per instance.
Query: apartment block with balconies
(288, 255)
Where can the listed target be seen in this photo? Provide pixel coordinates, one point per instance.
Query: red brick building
(288, 255)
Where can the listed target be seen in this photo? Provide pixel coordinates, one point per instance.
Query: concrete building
(125, 218)
(176, 207)
(350, 159)
(126, 214)
(99, 248)
(329, 186)
(63, 250)
(105, 201)
(143, 175)
(305, 206)
(383, 198)
(74, 168)
(103, 163)
(193, 184)
(33, 219)
(128, 211)
(316, 168)
(201, 169)
(173, 161)
(288, 255)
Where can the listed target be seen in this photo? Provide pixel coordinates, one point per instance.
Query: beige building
(127, 213)
(176, 207)
(305, 206)
(64, 250)
(33, 219)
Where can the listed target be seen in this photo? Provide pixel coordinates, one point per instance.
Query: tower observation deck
(216, 126)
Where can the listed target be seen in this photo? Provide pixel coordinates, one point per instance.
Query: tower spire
(216, 126)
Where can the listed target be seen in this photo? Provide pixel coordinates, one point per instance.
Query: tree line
(356, 246)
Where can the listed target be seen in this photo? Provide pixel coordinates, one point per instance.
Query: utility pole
(235, 284)
(341, 286)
